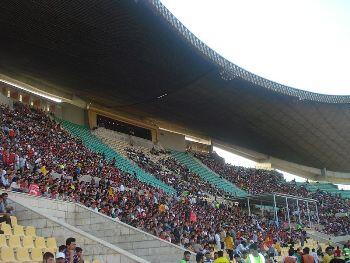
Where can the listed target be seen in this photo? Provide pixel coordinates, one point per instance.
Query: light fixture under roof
(40, 94)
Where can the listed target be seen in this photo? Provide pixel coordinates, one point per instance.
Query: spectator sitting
(186, 258)
(221, 258)
(4, 215)
(199, 258)
(208, 258)
(314, 255)
(290, 258)
(62, 248)
(4, 180)
(9, 209)
(14, 185)
(69, 252)
(79, 252)
(328, 256)
(307, 258)
(60, 257)
(337, 252)
(48, 257)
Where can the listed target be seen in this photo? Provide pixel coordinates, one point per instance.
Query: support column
(275, 208)
(248, 201)
(290, 229)
(308, 212)
(318, 218)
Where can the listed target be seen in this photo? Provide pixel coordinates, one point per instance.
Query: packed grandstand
(40, 157)
(109, 113)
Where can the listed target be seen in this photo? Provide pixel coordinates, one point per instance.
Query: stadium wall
(73, 114)
(170, 140)
(123, 117)
(4, 100)
(48, 226)
(121, 235)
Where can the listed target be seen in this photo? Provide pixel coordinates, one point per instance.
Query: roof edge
(230, 71)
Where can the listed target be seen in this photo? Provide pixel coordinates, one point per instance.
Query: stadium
(110, 112)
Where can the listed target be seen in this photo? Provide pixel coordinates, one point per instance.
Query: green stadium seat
(96, 145)
(206, 174)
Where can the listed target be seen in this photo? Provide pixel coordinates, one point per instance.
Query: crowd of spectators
(35, 147)
(68, 253)
(258, 181)
(173, 173)
(38, 157)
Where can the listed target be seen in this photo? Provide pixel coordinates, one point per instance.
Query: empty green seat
(207, 175)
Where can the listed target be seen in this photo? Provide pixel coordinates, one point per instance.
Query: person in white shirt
(241, 248)
(94, 207)
(22, 162)
(14, 186)
(4, 180)
(217, 241)
(314, 255)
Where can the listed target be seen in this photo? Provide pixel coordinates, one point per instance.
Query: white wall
(171, 140)
(73, 114)
(111, 231)
(49, 226)
(5, 100)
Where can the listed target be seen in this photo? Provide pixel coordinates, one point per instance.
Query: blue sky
(302, 44)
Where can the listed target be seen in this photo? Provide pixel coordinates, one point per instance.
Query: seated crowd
(173, 173)
(251, 254)
(257, 181)
(35, 148)
(68, 253)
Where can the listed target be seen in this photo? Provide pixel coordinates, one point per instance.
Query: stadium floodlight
(40, 94)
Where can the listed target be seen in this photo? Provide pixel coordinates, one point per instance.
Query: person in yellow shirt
(161, 208)
(229, 245)
(43, 170)
(278, 248)
(255, 256)
(221, 258)
(328, 256)
(111, 191)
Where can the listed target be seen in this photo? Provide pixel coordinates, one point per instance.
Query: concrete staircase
(321, 237)
(113, 232)
(50, 226)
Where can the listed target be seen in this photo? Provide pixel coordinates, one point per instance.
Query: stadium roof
(135, 56)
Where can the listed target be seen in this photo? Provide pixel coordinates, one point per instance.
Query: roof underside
(124, 54)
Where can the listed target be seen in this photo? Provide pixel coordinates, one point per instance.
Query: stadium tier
(110, 112)
(41, 158)
(208, 175)
(161, 164)
(258, 181)
(90, 141)
(327, 187)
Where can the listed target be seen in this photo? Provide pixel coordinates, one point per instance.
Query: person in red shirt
(4, 156)
(337, 252)
(306, 257)
(11, 159)
(11, 133)
(34, 189)
(290, 258)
